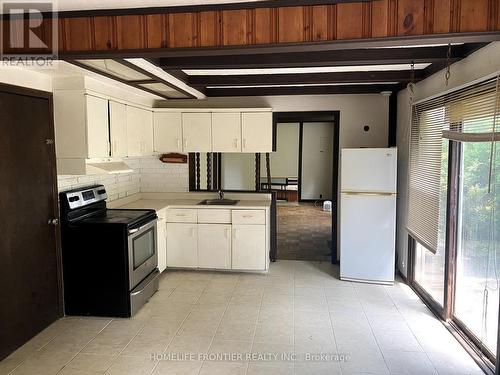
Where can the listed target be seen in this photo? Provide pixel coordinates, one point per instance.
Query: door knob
(53, 221)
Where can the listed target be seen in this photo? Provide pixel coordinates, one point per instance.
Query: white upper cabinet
(168, 132)
(257, 131)
(118, 128)
(139, 131)
(226, 132)
(197, 132)
(97, 127)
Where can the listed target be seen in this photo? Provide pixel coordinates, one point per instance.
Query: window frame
(483, 357)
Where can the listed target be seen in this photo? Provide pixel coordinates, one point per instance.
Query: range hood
(91, 166)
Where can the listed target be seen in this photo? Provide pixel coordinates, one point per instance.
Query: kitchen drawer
(249, 216)
(210, 215)
(180, 215)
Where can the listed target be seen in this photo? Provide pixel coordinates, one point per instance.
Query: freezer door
(369, 170)
(367, 237)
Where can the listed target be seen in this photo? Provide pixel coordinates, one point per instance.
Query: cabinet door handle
(234, 233)
(236, 143)
(247, 216)
(193, 231)
(226, 232)
(185, 144)
(180, 215)
(178, 143)
(244, 143)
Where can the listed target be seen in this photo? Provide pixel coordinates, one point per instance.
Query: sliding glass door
(429, 267)
(454, 220)
(476, 280)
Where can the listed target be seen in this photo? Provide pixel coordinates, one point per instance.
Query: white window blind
(466, 115)
(425, 193)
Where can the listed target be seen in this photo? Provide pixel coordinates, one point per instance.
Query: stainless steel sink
(215, 202)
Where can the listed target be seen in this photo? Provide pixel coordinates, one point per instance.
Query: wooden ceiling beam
(374, 56)
(301, 90)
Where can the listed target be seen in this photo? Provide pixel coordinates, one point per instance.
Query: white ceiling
(65, 5)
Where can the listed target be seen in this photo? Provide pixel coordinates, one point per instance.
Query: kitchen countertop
(139, 201)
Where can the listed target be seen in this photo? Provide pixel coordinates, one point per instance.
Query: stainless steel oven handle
(135, 230)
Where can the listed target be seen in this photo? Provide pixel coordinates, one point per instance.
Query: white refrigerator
(368, 214)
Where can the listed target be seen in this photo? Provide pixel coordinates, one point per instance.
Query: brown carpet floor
(304, 232)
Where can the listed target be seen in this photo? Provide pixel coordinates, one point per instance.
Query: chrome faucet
(221, 194)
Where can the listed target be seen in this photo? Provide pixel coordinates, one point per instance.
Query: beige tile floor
(299, 307)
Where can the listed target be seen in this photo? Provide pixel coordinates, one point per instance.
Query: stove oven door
(142, 252)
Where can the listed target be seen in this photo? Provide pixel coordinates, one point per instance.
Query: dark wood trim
(232, 56)
(274, 228)
(393, 119)
(473, 342)
(197, 8)
(303, 78)
(300, 90)
(19, 90)
(331, 54)
(197, 170)
(209, 171)
(257, 172)
(268, 171)
(454, 156)
(299, 174)
(192, 171)
(219, 176)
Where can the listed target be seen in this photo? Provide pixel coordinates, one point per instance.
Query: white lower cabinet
(216, 239)
(249, 247)
(214, 246)
(182, 245)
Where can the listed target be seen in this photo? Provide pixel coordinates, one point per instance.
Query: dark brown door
(29, 257)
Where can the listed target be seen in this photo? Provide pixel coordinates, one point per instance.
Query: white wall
(480, 64)
(355, 112)
(238, 171)
(285, 161)
(317, 160)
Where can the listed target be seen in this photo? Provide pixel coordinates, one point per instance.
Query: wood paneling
(235, 27)
(209, 29)
(291, 24)
(410, 17)
(77, 34)
(441, 16)
(264, 25)
(380, 16)
(131, 33)
(156, 31)
(104, 33)
(319, 23)
(473, 15)
(182, 30)
(349, 21)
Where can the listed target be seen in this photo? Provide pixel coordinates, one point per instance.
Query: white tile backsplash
(149, 175)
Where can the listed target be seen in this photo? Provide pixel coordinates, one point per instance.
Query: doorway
(29, 247)
(304, 173)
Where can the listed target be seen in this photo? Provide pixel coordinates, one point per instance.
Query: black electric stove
(109, 255)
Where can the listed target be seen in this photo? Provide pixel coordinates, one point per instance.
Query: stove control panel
(84, 196)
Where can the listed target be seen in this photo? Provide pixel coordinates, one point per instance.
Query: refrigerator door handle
(370, 193)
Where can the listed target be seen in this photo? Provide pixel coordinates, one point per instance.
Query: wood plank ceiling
(278, 34)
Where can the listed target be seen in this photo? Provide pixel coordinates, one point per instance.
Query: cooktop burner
(118, 216)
